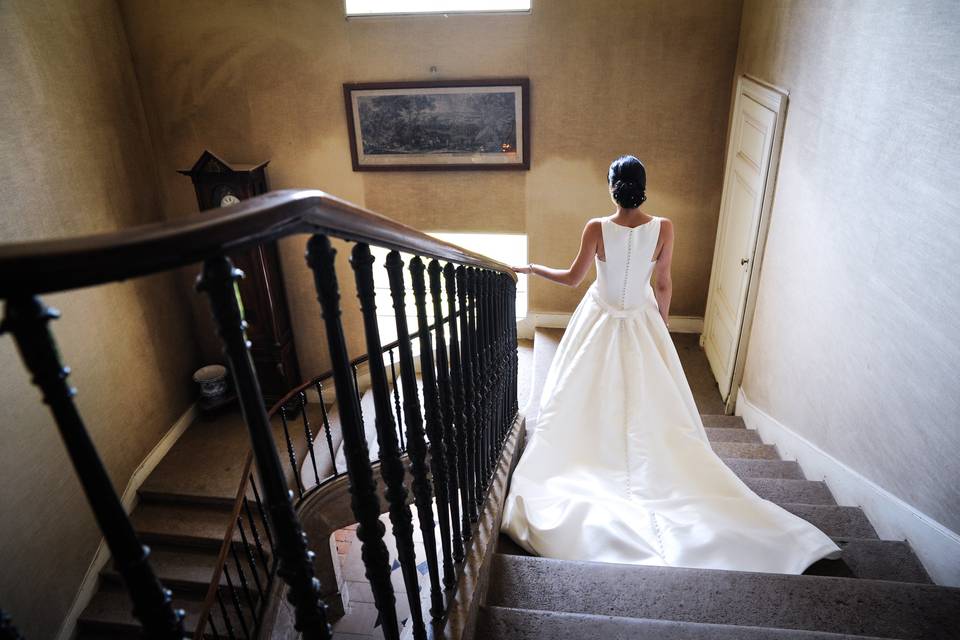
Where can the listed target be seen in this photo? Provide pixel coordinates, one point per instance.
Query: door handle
(744, 261)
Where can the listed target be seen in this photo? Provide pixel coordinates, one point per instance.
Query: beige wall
(263, 81)
(75, 158)
(854, 344)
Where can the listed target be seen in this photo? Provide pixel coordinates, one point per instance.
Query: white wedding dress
(618, 467)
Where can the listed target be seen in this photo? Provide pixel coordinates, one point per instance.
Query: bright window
(506, 248)
(393, 7)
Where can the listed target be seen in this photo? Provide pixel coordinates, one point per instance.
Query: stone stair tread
(717, 421)
(181, 523)
(110, 615)
(834, 520)
(111, 610)
(179, 569)
(753, 450)
(504, 623)
(725, 434)
(757, 468)
(788, 490)
(815, 603)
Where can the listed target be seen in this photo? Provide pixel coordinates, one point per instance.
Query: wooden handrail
(28, 268)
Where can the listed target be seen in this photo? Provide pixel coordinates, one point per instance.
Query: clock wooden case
(218, 183)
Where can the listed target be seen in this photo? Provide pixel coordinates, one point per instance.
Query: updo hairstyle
(628, 182)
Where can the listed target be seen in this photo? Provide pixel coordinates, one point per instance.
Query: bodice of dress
(623, 279)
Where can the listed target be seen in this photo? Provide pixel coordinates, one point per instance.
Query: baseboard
(527, 326)
(129, 499)
(937, 546)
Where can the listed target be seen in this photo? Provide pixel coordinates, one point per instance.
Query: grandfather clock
(219, 184)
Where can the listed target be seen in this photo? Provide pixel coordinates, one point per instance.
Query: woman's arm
(573, 276)
(663, 284)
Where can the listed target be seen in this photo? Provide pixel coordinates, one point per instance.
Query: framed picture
(482, 124)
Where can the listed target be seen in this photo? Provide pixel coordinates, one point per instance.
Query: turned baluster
(27, 319)
(476, 388)
(434, 418)
(391, 466)
(416, 442)
(219, 282)
(459, 415)
(446, 403)
(469, 396)
(363, 487)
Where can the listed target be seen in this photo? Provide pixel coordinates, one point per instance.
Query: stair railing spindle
(391, 466)
(457, 413)
(295, 559)
(235, 599)
(469, 398)
(225, 615)
(308, 433)
(363, 487)
(27, 319)
(291, 452)
(396, 400)
(434, 419)
(326, 428)
(416, 441)
(446, 404)
(251, 560)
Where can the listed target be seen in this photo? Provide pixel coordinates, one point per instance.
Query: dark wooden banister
(32, 268)
(57, 265)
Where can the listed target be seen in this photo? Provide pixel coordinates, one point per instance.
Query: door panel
(748, 159)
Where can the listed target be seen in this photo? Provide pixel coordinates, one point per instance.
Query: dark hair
(628, 179)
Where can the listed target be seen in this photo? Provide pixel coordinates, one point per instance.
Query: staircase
(879, 589)
(184, 508)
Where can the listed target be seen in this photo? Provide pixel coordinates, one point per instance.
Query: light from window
(503, 247)
(387, 7)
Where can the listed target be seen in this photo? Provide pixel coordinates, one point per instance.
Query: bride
(618, 467)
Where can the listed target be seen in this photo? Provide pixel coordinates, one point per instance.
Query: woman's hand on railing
(521, 268)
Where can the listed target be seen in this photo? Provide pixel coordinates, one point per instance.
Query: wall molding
(91, 578)
(527, 326)
(937, 546)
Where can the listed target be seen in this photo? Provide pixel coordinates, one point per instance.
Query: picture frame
(439, 125)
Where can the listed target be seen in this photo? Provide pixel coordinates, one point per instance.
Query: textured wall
(854, 344)
(75, 158)
(264, 81)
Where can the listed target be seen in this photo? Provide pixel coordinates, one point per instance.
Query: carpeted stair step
(109, 615)
(722, 422)
(814, 603)
(501, 623)
(779, 490)
(834, 520)
(754, 450)
(873, 560)
(724, 434)
(755, 468)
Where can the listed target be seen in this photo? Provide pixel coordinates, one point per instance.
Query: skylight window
(400, 7)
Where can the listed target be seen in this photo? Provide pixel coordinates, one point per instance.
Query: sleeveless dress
(618, 467)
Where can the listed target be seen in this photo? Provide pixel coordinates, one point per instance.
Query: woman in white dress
(618, 467)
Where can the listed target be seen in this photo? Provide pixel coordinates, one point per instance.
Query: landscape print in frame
(439, 125)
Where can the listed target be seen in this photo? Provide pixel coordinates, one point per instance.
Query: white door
(747, 192)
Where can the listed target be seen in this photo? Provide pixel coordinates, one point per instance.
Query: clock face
(228, 200)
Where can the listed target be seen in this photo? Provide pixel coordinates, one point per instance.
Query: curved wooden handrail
(28, 268)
